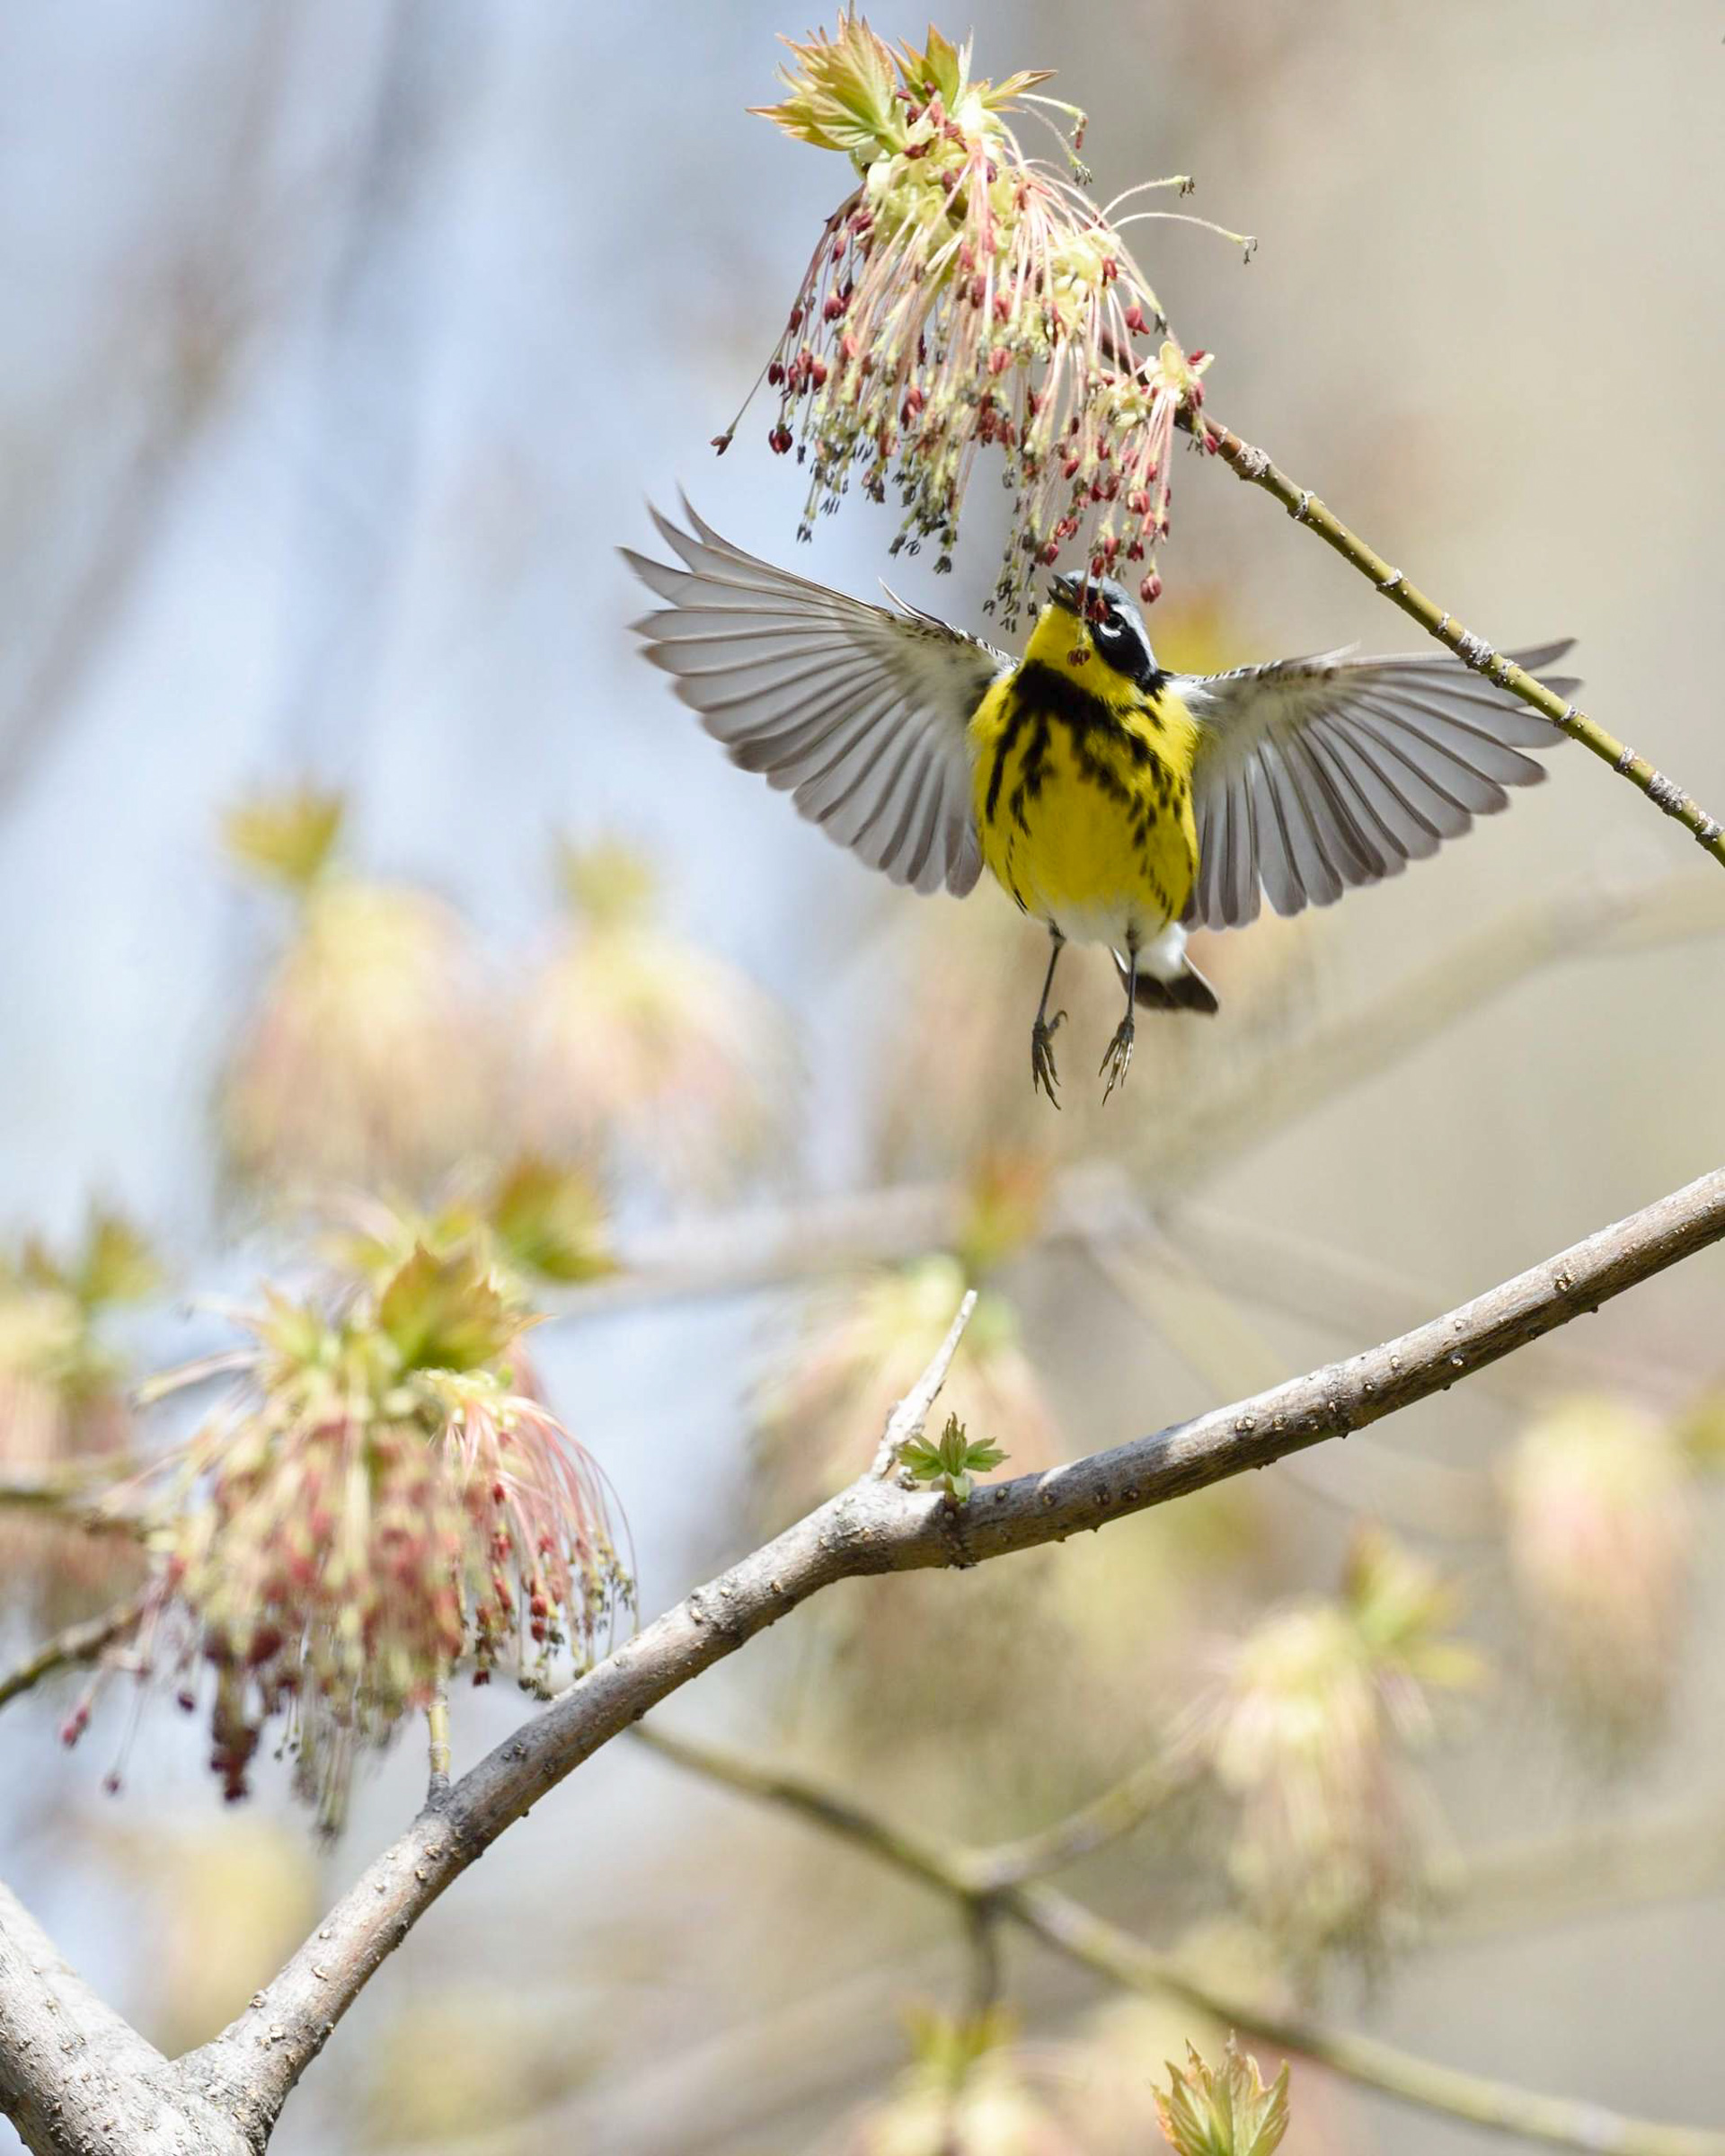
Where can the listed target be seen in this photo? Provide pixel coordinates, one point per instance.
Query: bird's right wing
(1316, 774)
(861, 713)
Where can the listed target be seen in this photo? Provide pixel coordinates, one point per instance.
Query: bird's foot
(1118, 1061)
(1044, 1077)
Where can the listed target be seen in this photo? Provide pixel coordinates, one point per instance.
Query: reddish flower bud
(779, 440)
(1150, 590)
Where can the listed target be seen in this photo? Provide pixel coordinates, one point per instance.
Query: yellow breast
(1082, 792)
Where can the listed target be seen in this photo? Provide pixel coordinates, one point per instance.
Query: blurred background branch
(982, 1877)
(77, 1643)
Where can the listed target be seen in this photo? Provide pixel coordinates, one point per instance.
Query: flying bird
(1115, 802)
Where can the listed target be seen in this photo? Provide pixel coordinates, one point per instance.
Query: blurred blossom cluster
(1309, 1728)
(532, 1223)
(222, 1901)
(385, 1053)
(1600, 1518)
(465, 2059)
(966, 2092)
(381, 1496)
(635, 1043)
(370, 1055)
(966, 296)
(62, 1407)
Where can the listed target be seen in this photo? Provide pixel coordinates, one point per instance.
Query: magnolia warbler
(1115, 802)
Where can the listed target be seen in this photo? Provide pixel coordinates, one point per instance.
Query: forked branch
(875, 1526)
(992, 1880)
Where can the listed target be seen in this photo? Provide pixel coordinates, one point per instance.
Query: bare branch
(75, 2075)
(875, 1526)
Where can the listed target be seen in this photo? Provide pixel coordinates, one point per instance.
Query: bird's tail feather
(1187, 991)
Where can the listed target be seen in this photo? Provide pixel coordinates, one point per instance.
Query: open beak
(1066, 590)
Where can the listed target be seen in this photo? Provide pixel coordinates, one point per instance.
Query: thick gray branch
(76, 2078)
(876, 1526)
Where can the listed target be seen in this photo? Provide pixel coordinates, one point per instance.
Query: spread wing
(859, 712)
(1316, 774)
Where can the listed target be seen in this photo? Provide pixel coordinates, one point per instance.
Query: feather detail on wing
(1316, 774)
(859, 712)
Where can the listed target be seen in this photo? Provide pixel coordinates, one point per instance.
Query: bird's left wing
(1316, 774)
(860, 712)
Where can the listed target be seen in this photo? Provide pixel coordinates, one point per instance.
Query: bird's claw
(1044, 1077)
(1118, 1061)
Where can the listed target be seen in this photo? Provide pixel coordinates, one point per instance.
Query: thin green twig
(1304, 508)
